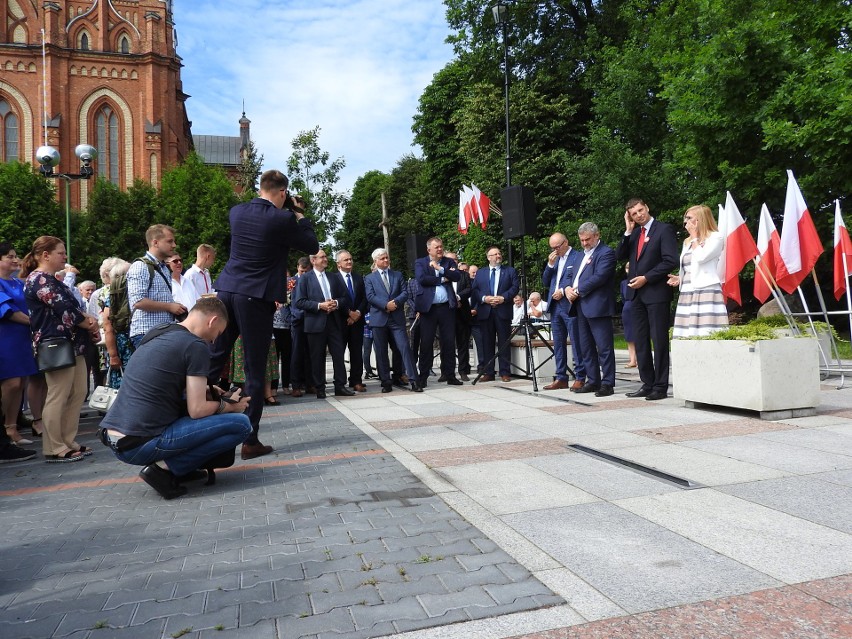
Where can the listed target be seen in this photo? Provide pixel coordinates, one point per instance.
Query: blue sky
(355, 68)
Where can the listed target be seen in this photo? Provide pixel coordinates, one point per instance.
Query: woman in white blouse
(700, 306)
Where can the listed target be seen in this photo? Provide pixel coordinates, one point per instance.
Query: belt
(440, 303)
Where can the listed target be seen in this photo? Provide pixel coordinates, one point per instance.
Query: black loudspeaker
(415, 246)
(519, 214)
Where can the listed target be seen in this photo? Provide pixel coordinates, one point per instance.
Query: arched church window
(8, 133)
(109, 150)
(124, 44)
(84, 41)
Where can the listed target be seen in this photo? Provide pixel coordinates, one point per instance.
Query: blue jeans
(564, 327)
(187, 443)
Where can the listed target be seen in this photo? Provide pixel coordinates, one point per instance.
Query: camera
(295, 203)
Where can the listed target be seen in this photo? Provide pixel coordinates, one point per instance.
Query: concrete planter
(778, 378)
(542, 359)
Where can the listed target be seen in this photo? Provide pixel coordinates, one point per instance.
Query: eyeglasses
(176, 261)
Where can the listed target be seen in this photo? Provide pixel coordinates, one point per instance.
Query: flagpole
(825, 316)
(778, 296)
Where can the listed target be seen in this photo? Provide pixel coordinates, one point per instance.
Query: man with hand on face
(436, 303)
(494, 289)
(324, 302)
(653, 252)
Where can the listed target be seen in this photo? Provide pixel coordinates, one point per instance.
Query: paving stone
(436, 605)
(368, 616)
(338, 620)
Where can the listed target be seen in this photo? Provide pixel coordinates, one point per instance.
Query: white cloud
(354, 68)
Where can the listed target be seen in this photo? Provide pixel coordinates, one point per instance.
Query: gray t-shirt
(153, 389)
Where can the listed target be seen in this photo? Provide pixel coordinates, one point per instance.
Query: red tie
(641, 243)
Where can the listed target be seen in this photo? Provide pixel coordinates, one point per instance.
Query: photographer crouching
(166, 418)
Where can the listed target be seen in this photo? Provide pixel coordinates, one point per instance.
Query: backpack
(119, 304)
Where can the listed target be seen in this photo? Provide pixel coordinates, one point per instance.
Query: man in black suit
(353, 327)
(301, 375)
(436, 303)
(494, 289)
(324, 301)
(463, 320)
(652, 250)
(262, 235)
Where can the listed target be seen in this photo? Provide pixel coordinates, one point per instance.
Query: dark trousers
(332, 339)
(495, 335)
(476, 334)
(440, 319)
(463, 344)
(300, 358)
(383, 337)
(596, 341)
(252, 318)
(651, 324)
(284, 346)
(353, 340)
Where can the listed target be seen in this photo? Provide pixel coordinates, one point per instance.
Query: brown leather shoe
(297, 392)
(577, 385)
(505, 378)
(558, 384)
(360, 388)
(250, 451)
(486, 378)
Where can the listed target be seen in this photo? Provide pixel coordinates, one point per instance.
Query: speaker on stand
(415, 247)
(519, 212)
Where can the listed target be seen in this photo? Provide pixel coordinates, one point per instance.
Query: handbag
(55, 353)
(102, 398)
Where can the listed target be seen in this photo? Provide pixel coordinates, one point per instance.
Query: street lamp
(500, 11)
(48, 158)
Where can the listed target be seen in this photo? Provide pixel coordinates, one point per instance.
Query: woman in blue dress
(16, 344)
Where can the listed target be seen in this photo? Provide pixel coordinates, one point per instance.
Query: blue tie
(493, 271)
(349, 286)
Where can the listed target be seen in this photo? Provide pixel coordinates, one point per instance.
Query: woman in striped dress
(701, 305)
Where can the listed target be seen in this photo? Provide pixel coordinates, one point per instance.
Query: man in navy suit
(386, 293)
(436, 303)
(592, 297)
(562, 264)
(463, 320)
(353, 327)
(262, 235)
(325, 304)
(494, 289)
(653, 252)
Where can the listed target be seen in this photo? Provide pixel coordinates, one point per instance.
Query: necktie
(349, 286)
(493, 290)
(641, 243)
(205, 275)
(385, 281)
(324, 285)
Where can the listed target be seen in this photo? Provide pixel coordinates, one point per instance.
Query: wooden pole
(384, 223)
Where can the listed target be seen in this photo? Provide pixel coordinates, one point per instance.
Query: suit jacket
(378, 297)
(658, 259)
(463, 290)
(596, 284)
(261, 238)
(548, 279)
(507, 286)
(427, 279)
(360, 302)
(704, 266)
(308, 297)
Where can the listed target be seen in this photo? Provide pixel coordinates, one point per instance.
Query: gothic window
(8, 133)
(109, 151)
(84, 41)
(124, 44)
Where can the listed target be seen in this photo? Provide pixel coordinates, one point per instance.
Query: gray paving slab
(497, 432)
(635, 563)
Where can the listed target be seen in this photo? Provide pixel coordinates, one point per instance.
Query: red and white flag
(483, 205)
(466, 213)
(768, 244)
(842, 253)
(800, 244)
(739, 248)
(463, 221)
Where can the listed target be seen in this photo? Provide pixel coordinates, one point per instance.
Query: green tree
(314, 177)
(28, 206)
(249, 169)
(360, 230)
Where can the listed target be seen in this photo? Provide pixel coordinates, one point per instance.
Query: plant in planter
(749, 367)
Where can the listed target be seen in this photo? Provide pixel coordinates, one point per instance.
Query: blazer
(308, 297)
(261, 238)
(378, 297)
(427, 279)
(596, 284)
(658, 259)
(507, 286)
(360, 303)
(463, 290)
(703, 269)
(548, 279)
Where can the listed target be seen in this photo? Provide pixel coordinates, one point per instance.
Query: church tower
(99, 72)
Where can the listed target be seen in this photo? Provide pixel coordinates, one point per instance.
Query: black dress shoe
(605, 391)
(588, 388)
(655, 395)
(442, 378)
(343, 392)
(415, 388)
(399, 382)
(387, 389)
(321, 394)
(463, 377)
(454, 381)
(163, 481)
(642, 392)
(193, 475)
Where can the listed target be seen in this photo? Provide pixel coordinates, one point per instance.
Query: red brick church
(112, 78)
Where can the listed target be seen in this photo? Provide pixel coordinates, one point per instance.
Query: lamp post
(48, 158)
(500, 10)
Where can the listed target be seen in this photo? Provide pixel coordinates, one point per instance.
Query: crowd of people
(195, 359)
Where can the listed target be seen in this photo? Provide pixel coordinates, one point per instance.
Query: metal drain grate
(680, 482)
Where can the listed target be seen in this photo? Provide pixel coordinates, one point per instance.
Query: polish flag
(842, 253)
(768, 244)
(800, 244)
(483, 205)
(464, 220)
(739, 248)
